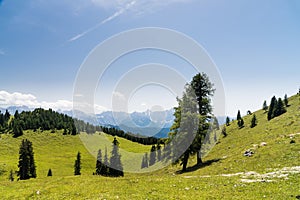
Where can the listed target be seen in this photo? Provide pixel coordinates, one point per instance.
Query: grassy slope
(60, 151)
(277, 153)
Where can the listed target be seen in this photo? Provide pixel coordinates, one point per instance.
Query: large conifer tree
(99, 164)
(27, 168)
(203, 89)
(272, 107)
(77, 165)
(152, 155)
(116, 168)
(192, 117)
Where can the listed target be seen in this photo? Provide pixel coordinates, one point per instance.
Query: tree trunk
(199, 159)
(185, 161)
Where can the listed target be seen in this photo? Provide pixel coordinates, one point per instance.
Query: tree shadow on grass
(196, 167)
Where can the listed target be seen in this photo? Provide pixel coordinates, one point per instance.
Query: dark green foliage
(6, 115)
(286, 100)
(16, 115)
(158, 149)
(4, 119)
(99, 163)
(49, 172)
(241, 123)
(11, 175)
(145, 163)
(253, 121)
(224, 133)
(194, 110)
(101, 168)
(227, 121)
(276, 108)
(238, 117)
(105, 170)
(152, 155)
(203, 89)
(272, 107)
(265, 106)
(27, 168)
(279, 108)
(77, 165)
(17, 129)
(116, 168)
(130, 136)
(37, 119)
(249, 112)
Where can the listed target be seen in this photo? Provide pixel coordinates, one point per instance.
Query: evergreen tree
(241, 123)
(105, 170)
(239, 115)
(77, 165)
(189, 128)
(265, 106)
(286, 101)
(145, 161)
(203, 89)
(158, 149)
(272, 106)
(116, 168)
(152, 155)
(49, 172)
(253, 121)
(27, 168)
(279, 108)
(100, 168)
(224, 133)
(227, 121)
(6, 116)
(16, 115)
(17, 129)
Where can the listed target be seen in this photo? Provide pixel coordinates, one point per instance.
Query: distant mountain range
(148, 123)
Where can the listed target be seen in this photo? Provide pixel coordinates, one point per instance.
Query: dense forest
(41, 119)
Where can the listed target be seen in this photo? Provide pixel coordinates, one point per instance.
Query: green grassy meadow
(217, 179)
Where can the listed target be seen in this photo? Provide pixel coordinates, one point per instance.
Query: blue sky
(255, 45)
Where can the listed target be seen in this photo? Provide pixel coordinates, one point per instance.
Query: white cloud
(123, 6)
(119, 12)
(19, 99)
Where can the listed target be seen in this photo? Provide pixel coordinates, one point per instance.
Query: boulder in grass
(262, 144)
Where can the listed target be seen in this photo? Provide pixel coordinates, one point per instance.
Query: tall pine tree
(286, 100)
(99, 164)
(192, 117)
(27, 168)
(227, 121)
(203, 89)
(116, 168)
(77, 165)
(265, 106)
(253, 121)
(238, 117)
(152, 155)
(272, 106)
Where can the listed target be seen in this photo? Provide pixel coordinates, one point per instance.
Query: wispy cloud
(123, 6)
(115, 15)
(2, 53)
(19, 99)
